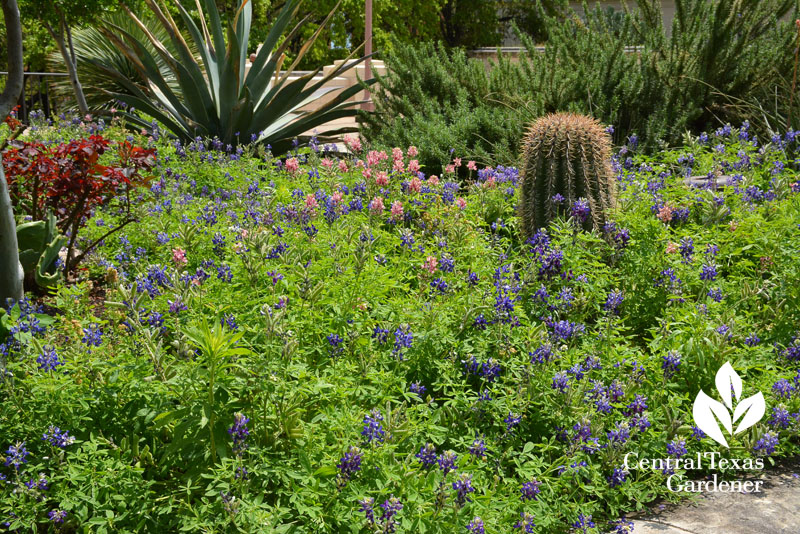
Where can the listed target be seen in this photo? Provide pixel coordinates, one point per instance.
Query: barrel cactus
(565, 160)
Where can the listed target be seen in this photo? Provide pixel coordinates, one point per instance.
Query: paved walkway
(776, 510)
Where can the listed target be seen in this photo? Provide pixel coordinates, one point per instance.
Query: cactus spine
(566, 154)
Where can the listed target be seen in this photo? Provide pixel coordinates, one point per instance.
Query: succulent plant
(568, 155)
(39, 245)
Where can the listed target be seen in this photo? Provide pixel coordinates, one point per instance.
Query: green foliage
(710, 68)
(39, 245)
(217, 97)
(440, 100)
(567, 155)
(286, 295)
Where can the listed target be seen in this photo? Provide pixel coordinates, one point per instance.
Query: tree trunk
(63, 38)
(10, 269)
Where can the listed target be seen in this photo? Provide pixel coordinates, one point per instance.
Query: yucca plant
(93, 48)
(215, 96)
(565, 154)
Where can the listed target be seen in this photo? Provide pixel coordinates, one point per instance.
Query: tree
(11, 274)
(59, 17)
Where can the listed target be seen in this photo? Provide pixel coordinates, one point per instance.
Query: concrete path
(775, 510)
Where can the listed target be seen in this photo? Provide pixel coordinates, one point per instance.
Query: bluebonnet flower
(335, 342)
(613, 302)
(229, 320)
(391, 507)
(677, 448)
(373, 429)
(476, 526)
(403, 338)
(480, 322)
(55, 437)
(780, 417)
(224, 273)
(446, 264)
(621, 526)
(439, 285)
(672, 361)
(57, 516)
(417, 388)
(92, 336)
(367, 506)
(427, 455)
(543, 353)
(561, 381)
(686, 249)
(783, 388)
(619, 435)
(638, 405)
(350, 463)
(752, 340)
(239, 432)
(478, 448)
(715, 294)
(580, 211)
(39, 484)
(641, 422)
(48, 359)
(766, 445)
(380, 334)
(511, 421)
(617, 477)
(16, 455)
(565, 330)
(176, 306)
(550, 263)
(708, 272)
(463, 487)
(472, 278)
(583, 523)
(530, 490)
(525, 523)
(447, 462)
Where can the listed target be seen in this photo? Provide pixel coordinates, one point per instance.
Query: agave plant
(215, 95)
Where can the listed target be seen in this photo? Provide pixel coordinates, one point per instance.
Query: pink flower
(430, 264)
(179, 257)
(292, 165)
(397, 153)
(342, 166)
(433, 179)
(457, 162)
(327, 163)
(311, 202)
(413, 166)
(382, 179)
(471, 166)
(398, 165)
(672, 248)
(376, 206)
(352, 142)
(337, 197)
(397, 209)
(665, 214)
(412, 151)
(733, 226)
(461, 202)
(489, 183)
(450, 169)
(366, 173)
(415, 185)
(374, 157)
(359, 164)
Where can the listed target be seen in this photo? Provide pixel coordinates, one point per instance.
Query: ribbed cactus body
(569, 155)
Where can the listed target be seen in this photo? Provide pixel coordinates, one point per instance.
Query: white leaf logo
(709, 413)
(728, 381)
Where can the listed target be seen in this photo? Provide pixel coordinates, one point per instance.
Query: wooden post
(367, 50)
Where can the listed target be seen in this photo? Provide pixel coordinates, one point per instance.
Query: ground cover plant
(349, 343)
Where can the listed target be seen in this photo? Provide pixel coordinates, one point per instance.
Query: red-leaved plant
(70, 180)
